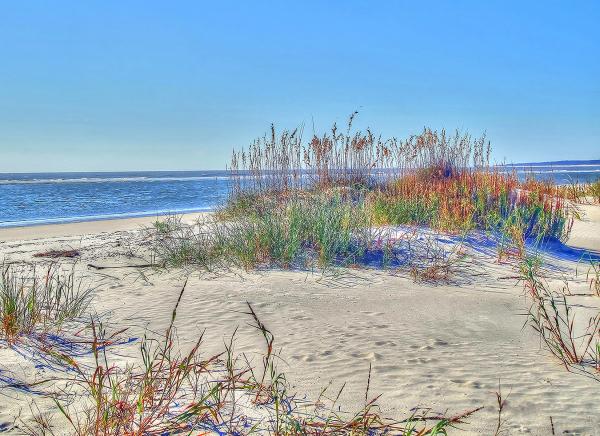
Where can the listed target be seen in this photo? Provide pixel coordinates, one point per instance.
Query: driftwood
(143, 265)
(54, 254)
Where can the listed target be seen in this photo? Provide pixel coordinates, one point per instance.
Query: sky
(176, 85)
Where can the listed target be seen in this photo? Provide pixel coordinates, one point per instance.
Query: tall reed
(283, 162)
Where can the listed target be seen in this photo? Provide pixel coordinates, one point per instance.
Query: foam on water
(562, 172)
(109, 180)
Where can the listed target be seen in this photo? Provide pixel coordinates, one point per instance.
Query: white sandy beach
(292, 218)
(586, 231)
(440, 346)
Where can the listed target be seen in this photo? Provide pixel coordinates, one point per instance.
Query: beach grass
(553, 318)
(36, 303)
(331, 201)
(593, 190)
(593, 277)
(575, 191)
(313, 233)
(435, 179)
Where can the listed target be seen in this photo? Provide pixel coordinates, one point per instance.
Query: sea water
(43, 198)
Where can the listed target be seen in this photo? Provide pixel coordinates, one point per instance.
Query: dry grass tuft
(38, 303)
(554, 319)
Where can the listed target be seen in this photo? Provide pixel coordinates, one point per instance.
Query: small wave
(102, 217)
(547, 165)
(529, 170)
(109, 180)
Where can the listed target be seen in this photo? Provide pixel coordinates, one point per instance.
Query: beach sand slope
(445, 346)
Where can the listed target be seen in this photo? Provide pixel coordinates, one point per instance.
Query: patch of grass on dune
(576, 346)
(297, 233)
(306, 232)
(593, 190)
(325, 202)
(36, 303)
(487, 201)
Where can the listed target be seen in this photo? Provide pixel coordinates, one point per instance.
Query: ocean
(561, 172)
(44, 198)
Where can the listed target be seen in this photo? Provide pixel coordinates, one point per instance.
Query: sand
(444, 346)
(586, 231)
(70, 230)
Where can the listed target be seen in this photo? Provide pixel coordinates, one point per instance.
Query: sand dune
(440, 346)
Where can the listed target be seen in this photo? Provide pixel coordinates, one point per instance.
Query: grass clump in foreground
(31, 303)
(577, 347)
(183, 393)
(333, 201)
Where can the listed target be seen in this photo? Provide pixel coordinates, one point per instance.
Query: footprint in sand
(364, 312)
(385, 343)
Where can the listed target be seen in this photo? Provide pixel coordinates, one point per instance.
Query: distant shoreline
(93, 218)
(43, 231)
(576, 162)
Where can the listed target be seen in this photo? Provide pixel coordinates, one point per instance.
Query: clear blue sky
(142, 85)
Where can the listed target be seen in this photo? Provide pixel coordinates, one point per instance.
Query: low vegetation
(340, 199)
(307, 236)
(38, 303)
(576, 345)
(574, 191)
(593, 277)
(593, 190)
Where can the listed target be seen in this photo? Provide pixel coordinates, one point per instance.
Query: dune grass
(331, 202)
(309, 235)
(433, 179)
(299, 233)
(37, 303)
(593, 190)
(554, 319)
(593, 277)
(575, 191)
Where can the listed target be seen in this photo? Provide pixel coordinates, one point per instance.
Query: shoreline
(91, 218)
(77, 228)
